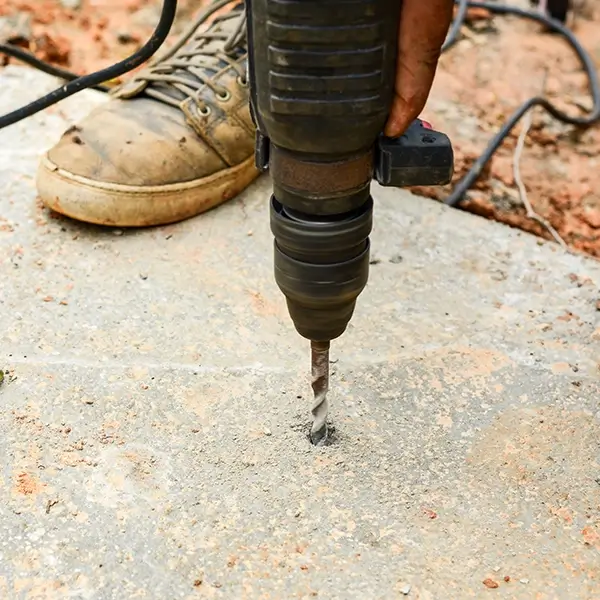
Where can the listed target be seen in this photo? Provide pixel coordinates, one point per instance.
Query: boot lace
(188, 68)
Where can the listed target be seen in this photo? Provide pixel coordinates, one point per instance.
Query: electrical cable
(457, 23)
(156, 40)
(95, 80)
(33, 61)
(463, 185)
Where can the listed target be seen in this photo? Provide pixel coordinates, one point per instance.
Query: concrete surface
(153, 421)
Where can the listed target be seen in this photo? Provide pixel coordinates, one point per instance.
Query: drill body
(322, 75)
(321, 80)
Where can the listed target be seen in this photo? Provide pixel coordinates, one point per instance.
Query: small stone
(117, 232)
(490, 583)
(71, 4)
(524, 580)
(396, 260)
(267, 431)
(405, 589)
(124, 37)
(87, 400)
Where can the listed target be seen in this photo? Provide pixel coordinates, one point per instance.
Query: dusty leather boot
(176, 140)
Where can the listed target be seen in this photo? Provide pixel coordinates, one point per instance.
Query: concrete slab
(153, 423)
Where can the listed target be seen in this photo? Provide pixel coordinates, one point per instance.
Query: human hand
(422, 31)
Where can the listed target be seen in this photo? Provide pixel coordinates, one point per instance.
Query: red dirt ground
(498, 63)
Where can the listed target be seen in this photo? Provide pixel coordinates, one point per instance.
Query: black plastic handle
(421, 156)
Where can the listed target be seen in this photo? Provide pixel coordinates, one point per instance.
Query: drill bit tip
(319, 438)
(320, 385)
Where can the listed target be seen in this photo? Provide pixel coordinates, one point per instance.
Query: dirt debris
(87, 35)
(591, 536)
(490, 583)
(27, 484)
(481, 81)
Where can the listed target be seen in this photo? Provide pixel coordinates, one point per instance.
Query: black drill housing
(322, 78)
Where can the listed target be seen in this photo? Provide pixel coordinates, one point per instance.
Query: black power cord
(33, 61)
(95, 80)
(76, 84)
(464, 184)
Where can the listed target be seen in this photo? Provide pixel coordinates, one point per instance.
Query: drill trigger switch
(262, 151)
(421, 156)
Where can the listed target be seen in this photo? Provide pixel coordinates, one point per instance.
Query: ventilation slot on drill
(323, 59)
(309, 86)
(340, 35)
(347, 12)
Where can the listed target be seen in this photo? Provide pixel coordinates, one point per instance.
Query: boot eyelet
(205, 111)
(242, 81)
(225, 96)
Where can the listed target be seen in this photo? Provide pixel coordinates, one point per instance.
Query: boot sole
(119, 205)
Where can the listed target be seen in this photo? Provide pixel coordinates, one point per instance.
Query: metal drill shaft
(320, 386)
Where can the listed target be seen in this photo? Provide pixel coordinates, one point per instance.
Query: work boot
(176, 140)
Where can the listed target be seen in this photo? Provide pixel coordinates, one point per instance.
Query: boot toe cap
(137, 142)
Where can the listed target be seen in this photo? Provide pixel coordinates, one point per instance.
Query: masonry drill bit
(320, 386)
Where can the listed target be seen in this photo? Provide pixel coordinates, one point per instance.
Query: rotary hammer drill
(322, 76)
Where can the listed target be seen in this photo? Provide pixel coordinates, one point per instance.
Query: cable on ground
(463, 185)
(77, 84)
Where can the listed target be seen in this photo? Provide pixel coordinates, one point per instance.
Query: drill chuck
(321, 266)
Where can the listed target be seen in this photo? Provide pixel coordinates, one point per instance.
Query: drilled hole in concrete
(320, 441)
